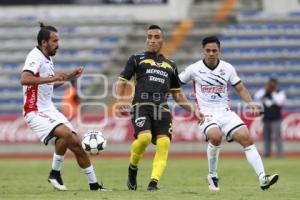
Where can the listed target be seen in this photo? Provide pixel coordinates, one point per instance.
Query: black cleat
(152, 186)
(131, 181)
(268, 180)
(98, 187)
(56, 180)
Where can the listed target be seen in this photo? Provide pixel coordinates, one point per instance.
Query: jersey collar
(153, 54)
(212, 69)
(43, 53)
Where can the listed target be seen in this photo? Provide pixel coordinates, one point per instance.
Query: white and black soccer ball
(93, 142)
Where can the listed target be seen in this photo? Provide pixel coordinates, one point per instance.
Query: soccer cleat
(98, 187)
(152, 187)
(131, 181)
(268, 180)
(56, 181)
(212, 183)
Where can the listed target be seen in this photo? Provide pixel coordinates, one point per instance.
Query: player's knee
(71, 140)
(145, 138)
(244, 139)
(215, 139)
(163, 142)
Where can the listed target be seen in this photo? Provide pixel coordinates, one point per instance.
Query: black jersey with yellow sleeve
(154, 75)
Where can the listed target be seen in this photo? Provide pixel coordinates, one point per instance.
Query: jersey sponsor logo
(161, 80)
(156, 71)
(140, 121)
(212, 89)
(31, 99)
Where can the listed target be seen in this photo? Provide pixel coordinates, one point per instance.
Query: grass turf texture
(184, 179)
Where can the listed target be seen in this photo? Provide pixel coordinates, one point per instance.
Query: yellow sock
(138, 147)
(161, 156)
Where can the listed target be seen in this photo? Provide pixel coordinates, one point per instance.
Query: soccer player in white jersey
(210, 77)
(38, 79)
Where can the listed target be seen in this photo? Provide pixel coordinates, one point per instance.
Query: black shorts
(154, 118)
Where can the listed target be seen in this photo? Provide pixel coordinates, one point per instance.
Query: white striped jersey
(210, 85)
(38, 97)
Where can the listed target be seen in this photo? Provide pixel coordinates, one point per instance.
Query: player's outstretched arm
(245, 95)
(181, 99)
(27, 78)
(122, 105)
(75, 73)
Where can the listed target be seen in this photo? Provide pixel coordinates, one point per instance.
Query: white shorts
(43, 124)
(227, 121)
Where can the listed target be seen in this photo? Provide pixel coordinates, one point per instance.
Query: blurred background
(261, 38)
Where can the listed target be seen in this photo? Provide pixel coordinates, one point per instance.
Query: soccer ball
(93, 142)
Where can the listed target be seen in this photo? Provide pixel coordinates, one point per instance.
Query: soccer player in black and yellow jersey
(155, 77)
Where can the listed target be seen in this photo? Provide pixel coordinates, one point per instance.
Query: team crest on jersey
(152, 63)
(140, 121)
(222, 72)
(164, 65)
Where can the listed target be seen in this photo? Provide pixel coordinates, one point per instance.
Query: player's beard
(52, 52)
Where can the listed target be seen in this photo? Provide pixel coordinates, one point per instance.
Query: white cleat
(268, 180)
(55, 179)
(213, 183)
(56, 185)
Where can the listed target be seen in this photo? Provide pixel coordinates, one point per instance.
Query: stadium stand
(266, 48)
(258, 44)
(87, 42)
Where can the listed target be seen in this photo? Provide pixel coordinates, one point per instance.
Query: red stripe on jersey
(195, 92)
(31, 98)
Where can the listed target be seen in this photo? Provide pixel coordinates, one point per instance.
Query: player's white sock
(57, 162)
(213, 158)
(90, 174)
(255, 161)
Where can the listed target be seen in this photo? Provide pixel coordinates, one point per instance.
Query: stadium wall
(185, 129)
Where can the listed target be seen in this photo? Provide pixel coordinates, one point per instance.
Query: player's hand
(122, 109)
(200, 117)
(60, 76)
(76, 73)
(254, 109)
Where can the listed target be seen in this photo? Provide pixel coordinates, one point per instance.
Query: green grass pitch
(184, 179)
